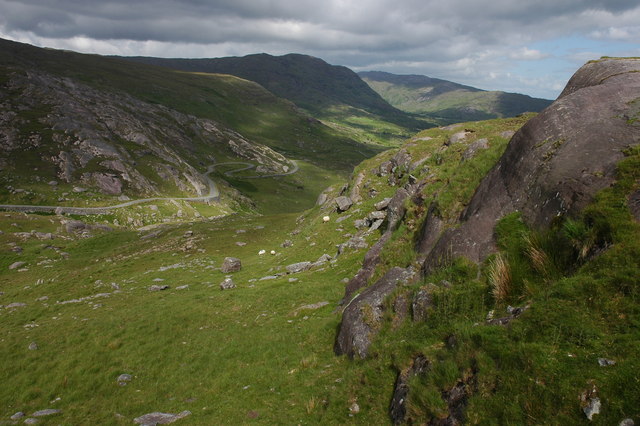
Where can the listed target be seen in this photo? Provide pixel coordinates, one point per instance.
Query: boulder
(398, 408)
(555, 164)
(227, 284)
(377, 215)
(361, 319)
(473, 149)
(231, 264)
(344, 203)
(381, 205)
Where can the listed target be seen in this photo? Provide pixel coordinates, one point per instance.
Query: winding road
(213, 195)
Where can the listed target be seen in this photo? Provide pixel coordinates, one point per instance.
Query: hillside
(448, 102)
(484, 272)
(333, 94)
(96, 116)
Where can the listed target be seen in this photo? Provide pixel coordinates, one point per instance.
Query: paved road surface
(213, 195)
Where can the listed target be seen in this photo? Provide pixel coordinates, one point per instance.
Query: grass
(583, 305)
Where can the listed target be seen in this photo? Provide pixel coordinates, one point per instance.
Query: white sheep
(326, 219)
(273, 252)
(261, 252)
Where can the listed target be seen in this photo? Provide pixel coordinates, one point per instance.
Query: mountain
(331, 93)
(481, 273)
(447, 101)
(87, 120)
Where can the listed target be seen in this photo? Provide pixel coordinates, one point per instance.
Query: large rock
(231, 264)
(556, 162)
(361, 319)
(343, 203)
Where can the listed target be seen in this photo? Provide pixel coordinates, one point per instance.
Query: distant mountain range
(333, 94)
(445, 101)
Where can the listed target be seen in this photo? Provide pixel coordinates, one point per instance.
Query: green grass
(584, 305)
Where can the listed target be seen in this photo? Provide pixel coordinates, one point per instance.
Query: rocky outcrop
(554, 164)
(103, 137)
(361, 319)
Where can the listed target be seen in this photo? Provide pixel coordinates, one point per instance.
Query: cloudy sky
(526, 46)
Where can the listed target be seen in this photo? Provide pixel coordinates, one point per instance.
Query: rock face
(95, 138)
(556, 162)
(361, 318)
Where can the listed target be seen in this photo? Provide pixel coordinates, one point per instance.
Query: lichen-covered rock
(343, 203)
(556, 162)
(362, 315)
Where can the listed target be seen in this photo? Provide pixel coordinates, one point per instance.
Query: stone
(157, 287)
(158, 418)
(15, 305)
(286, 243)
(30, 421)
(354, 243)
(231, 264)
(182, 287)
(344, 203)
(377, 215)
(47, 412)
(375, 225)
(324, 258)
(627, 422)
(16, 265)
(592, 408)
(361, 223)
(240, 243)
(422, 303)
(322, 198)
(124, 379)
(473, 149)
(381, 205)
(293, 280)
(458, 137)
(294, 268)
(268, 277)
(18, 415)
(604, 362)
(33, 346)
(361, 319)
(227, 284)
(398, 409)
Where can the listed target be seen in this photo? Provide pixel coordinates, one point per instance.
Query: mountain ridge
(448, 101)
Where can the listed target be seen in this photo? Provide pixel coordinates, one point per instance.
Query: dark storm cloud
(456, 37)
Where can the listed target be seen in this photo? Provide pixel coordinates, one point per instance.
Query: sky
(525, 46)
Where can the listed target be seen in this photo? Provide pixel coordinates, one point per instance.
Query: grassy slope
(239, 104)
(333, 94)
(446, 101)
(221, 355)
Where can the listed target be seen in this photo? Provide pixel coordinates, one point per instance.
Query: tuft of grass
(499, 275)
